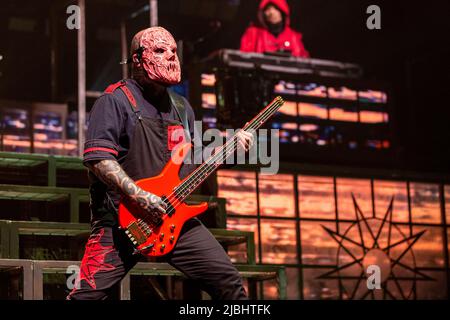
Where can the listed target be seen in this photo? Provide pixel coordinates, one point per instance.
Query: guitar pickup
(170, 209)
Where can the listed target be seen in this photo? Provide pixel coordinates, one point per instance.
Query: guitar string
(211, 164)
(231, 143)
(208, 168)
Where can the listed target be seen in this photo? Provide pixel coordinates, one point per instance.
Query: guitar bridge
(138, 231)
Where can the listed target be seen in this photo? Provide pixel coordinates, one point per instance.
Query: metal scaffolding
(81, 48)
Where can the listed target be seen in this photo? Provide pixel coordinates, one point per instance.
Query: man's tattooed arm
(112, 174)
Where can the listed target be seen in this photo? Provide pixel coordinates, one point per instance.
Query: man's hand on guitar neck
(112, 174)
(245, 139)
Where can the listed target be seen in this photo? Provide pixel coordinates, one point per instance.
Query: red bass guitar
(152, 240)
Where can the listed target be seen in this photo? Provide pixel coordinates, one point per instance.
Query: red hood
(281, 4)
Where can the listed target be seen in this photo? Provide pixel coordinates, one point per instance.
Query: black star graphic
(362, 251)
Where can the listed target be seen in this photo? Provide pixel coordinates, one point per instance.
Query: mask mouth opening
(172, 66)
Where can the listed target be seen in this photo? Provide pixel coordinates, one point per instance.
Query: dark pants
(198, 255)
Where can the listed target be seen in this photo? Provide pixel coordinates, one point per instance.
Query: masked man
(272, 32)
(129, 138)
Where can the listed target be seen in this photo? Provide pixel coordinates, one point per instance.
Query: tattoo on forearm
(112, 174)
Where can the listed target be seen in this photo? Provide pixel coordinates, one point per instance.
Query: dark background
(411, 52)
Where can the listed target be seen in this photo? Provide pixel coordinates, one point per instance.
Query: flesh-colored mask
(159, 56)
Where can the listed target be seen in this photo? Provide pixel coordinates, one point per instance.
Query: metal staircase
(44, 227)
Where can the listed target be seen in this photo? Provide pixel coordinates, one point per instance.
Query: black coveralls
(137, 137)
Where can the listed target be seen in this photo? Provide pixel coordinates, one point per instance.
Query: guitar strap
(176, 100)
(180, 107)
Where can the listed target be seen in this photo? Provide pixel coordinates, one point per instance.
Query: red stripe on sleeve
(114, 152)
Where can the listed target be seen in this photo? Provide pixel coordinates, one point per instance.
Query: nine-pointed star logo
(94, 259)
(374, 241)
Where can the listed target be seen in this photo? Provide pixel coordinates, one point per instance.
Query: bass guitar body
(159, 240)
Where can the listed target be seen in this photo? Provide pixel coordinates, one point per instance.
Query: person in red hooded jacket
(273, 33)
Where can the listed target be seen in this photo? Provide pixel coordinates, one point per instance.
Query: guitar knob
(163, 246)
(172, 238)
(161, 237)
(172, 228)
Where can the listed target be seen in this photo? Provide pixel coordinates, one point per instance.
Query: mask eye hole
(159, 50)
